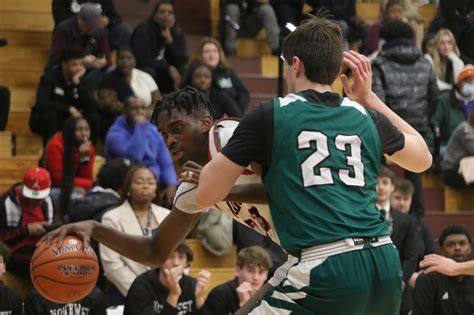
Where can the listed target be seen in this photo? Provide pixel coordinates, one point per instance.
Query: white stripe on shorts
(266, 309)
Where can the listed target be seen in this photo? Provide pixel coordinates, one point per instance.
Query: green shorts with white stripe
(361, 282)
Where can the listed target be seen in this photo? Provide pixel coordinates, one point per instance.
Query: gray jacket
(461, 144)
(406, 82)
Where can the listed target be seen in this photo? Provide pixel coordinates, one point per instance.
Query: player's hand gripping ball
(66, 273)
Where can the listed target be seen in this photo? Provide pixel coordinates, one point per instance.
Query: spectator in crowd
(70, 159)
(93, 304)
(458, 162)
(134, 137)
(437, 294)
(105, 194)
(62, 94)
(401, 200)
(344, 13)
(123, 82)
(403, 233)
(136, 215)
(222, 103)
(210, 52)
(405, 81)
(247, 18)
(253, 264)
(445, 59)
(4, 106)
(245, 237)
(412, 16)
(160, 47)
(167, 290)
(458, 17)
(288, 11)
(453, 108)
(393, 12)
(10, 301)
(25, 209)
(84, 31)
(118, 32)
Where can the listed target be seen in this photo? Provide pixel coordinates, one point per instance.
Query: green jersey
(321, 156)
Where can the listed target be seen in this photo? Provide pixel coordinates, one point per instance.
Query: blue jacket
(142, 143)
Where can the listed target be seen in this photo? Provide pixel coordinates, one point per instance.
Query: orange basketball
(65, 273)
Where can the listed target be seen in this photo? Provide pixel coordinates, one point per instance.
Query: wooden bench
(458, 199)
(205, 259)
(5, 144)
(13, 168)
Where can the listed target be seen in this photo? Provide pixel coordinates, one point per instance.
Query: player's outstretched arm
(415, 155)
(447, 266)
(152, 251)
(216, 180)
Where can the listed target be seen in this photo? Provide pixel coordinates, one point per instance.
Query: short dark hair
(254, 256)
(112, 174)
(387, 172)
(183, 248)
(404, 186)
(127, 182)
(396, 30)
(187, 100)
(125, 48)
(4, 252)
(391, 3)
(159, 3)
(451, 230)
(318, 43)
(71, 53)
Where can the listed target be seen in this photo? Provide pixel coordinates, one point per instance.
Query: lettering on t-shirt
(183, 308)
(71, 309)
(5, 312)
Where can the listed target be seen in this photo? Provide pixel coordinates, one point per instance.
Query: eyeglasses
(141, 182)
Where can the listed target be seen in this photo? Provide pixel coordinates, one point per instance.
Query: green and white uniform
(321, 156)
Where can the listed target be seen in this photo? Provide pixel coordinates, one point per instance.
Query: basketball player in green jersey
(321, 155)
(175, 227)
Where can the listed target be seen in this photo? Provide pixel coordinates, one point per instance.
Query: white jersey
(256, 216)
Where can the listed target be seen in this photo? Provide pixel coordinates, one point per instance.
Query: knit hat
(90, 12)
(467, 71)
(36, 183)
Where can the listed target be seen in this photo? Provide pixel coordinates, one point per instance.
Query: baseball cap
(36, 183)
(90, 12)
(466, 72)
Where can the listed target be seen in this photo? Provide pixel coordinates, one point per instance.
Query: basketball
(65, 273)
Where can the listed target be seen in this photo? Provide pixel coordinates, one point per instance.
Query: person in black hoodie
(92, 304)
(119, 33)
(160, 47)
(10, 301)
(167, 290)
(223, 104)
(253, 264)
(406, 82)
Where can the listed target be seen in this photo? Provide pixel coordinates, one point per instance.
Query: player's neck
(303, 85)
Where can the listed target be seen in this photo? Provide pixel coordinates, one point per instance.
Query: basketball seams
(65, 258)
(64, 283)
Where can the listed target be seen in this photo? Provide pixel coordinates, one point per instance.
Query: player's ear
(206, 123)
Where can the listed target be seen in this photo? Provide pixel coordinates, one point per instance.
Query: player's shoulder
(347, 103)
(220, 133)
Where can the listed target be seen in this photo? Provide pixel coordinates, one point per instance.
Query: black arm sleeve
(251, 141)
(391, 138)
(423, 296)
